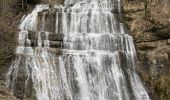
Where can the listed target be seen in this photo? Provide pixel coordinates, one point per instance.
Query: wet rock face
(148, 22)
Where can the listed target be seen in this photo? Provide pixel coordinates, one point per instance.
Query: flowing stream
(98, 57)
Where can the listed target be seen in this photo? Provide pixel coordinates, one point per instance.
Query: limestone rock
(149, 24)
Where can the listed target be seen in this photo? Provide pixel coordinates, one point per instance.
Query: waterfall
(98, 56)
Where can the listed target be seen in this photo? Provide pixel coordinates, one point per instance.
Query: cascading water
(98, 57)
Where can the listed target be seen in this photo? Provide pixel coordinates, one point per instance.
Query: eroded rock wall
(149, 24)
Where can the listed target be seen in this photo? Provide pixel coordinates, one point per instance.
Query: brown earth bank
(147, 20)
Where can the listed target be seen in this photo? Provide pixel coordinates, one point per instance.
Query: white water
(98, 61)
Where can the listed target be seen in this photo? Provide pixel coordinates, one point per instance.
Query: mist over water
(98, 56)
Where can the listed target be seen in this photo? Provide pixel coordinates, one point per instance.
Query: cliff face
(10, 14)
(11, 11)
(149, 24)
(147, 20)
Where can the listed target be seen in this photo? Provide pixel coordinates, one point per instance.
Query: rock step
(52, 44)
(47, 20)
(53, 9)
(55, 51)
(51, 36)
(56, 37)
(66, 10)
